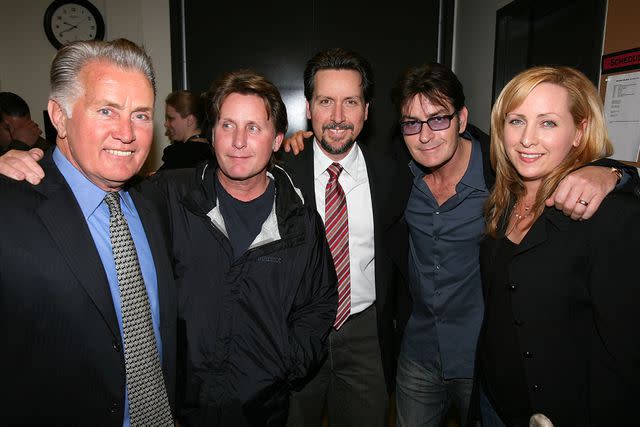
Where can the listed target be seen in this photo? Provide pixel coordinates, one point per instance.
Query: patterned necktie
(148, 402)
(336, 224)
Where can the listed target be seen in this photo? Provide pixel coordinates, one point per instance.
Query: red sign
(621, 61)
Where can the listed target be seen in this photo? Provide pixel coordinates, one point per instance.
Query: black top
(506, 387)
(185, 154)
(243, 220)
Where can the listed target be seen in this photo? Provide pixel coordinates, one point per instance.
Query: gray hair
(70, 60)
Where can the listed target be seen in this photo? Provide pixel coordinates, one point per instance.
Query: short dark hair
(248, 82)
(13, 105)
(338, 59)
(434, 81)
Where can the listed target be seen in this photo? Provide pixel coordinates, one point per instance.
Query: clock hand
(68, 29)
(72, 26)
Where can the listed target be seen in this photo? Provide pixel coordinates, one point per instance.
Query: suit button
(518, 322)
(114, 407)
(527, 355)
(117, 346)
(513, 287)
(537, 387)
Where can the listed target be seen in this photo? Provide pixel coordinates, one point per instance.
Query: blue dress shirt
(96, 213)
(444, 272)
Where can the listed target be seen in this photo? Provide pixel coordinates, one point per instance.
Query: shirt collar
(474, 176)
(88, 195)
(349, 163)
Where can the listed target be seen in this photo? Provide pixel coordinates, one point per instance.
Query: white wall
(26, 53)
(474, 43)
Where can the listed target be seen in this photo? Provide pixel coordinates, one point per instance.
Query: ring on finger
(583, 202)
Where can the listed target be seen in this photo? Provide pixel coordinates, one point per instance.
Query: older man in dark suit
(88, 306)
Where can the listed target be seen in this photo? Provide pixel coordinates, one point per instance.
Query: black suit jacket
(62, 360)
(573, 291)
(388, 186)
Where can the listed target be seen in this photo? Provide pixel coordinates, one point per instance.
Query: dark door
(548, 32)
(277, 38)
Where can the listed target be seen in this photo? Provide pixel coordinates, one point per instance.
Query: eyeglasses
(412, 127)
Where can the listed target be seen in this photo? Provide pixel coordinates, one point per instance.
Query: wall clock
(67, 21)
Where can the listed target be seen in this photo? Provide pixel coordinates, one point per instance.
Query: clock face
(71, 21)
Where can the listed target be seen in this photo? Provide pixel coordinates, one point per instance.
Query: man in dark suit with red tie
(354, 190)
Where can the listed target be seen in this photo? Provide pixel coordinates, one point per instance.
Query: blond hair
(584, 105)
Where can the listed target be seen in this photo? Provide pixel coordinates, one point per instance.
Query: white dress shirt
(355, 184)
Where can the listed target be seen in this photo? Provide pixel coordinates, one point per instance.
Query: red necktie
(337, 228)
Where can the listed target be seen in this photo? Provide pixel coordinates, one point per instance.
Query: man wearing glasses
(451, 181)
(452, 178)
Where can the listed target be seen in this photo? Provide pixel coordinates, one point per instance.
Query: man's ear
(191, 119)
(58, 117)
(463, 115)
(308, 111)
(277, 142)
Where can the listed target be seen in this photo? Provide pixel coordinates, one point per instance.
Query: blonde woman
(560, 333)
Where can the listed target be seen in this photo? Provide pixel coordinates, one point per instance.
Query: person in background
(185, 124)
(17, 130)
(560, 334)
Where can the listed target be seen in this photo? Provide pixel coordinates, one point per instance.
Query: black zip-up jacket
(254, 327)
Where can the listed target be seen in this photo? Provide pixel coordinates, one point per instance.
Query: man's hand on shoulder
(22, 165)
(295, 142)
(580, 193)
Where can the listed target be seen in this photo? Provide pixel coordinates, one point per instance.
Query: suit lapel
(539, 232)
(389, 189)
(537, 235)
(385, 208)
(62, 217)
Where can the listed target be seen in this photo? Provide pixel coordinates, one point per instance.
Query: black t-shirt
(243, 220)
(501, 359)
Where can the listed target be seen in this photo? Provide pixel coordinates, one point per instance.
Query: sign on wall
(625, 60)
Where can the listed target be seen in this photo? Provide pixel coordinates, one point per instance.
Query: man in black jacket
(257, 286)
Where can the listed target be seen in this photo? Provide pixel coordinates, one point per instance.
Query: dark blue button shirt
(444, 272)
